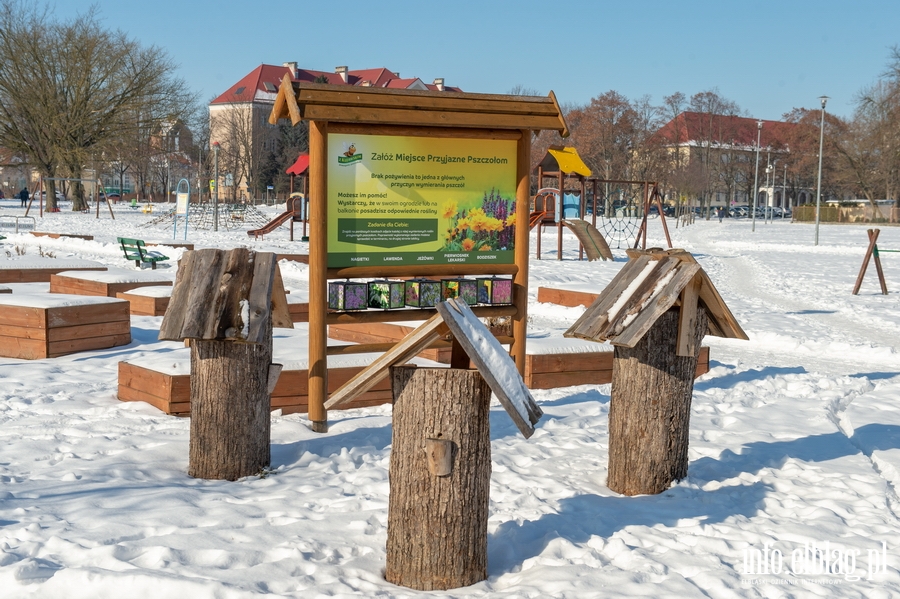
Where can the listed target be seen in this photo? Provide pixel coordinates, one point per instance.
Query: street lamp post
(216, 186)
(770, 170)
(756, 175)
(784, 198)
(823, 100)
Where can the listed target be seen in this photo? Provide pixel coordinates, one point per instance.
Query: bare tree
(68, 87)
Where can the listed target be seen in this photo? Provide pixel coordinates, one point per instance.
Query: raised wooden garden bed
(171, 392)
(40, 325)
(147, 301)
(104, 283)
(299, 311)
(565, 297)
(542, 370)
(383, 332)
(302, 258)
(548, 371)
(59, 235)
(38, 270)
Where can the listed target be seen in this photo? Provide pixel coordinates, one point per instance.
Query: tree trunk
(440, 476)
(230, 418)
(650, 409)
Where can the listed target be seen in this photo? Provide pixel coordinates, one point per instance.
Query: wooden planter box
(171, 393)
(302, 258)
(9, 273)
(299, 311)
(60, 235)
(383, 332)
(565, 297)
(36, 326)
(103, 284)
(548, 371)
(144, 304)
(542, 371)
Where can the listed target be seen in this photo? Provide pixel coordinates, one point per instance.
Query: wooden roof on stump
(379, 106)
(225, 295)
(651, 283)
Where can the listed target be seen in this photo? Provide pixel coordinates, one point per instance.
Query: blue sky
(768, 57)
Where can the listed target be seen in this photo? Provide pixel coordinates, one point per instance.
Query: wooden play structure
(655, 313)
(872, 253)
(569, 208)
(395, 114)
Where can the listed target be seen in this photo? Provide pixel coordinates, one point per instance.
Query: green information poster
(420, 200)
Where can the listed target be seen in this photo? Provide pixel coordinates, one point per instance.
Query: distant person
(721, 214)
(23, 195)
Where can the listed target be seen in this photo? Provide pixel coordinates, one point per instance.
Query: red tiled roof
(245, 90)
(727, 130)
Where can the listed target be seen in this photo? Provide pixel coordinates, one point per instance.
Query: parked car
(59, 196)
(114, 197)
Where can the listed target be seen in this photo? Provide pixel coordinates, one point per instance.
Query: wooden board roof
(224, 295)
(368, 105)
(648, 285)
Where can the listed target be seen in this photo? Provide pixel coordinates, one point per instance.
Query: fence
(847, 214)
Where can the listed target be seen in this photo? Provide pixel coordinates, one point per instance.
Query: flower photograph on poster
(489, 226)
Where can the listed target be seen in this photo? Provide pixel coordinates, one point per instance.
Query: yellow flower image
(511, 220)
(462, 224)
(450, 209)
(478, 219)
(485, 248)
(468, 244)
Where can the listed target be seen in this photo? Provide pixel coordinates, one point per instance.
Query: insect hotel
(655, 313)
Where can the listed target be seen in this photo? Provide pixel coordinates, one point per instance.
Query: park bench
(136, 250)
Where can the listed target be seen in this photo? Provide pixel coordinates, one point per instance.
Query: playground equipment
(40, 191)
(622, 205)
(296, 212)
(872, 251)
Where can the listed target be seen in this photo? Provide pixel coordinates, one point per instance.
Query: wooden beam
(281, 314)
(687, 318)
(518, 348)
(422, 270)
(318, 284)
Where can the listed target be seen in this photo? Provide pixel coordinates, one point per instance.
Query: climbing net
(620, 208)
(231, 216)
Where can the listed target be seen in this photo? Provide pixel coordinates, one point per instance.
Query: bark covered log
(230, 421)
(650, 409)
(437, 523)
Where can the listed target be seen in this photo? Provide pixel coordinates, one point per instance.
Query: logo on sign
(350, 155)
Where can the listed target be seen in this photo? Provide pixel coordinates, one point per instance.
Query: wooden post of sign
(520, 279)
(440, 478)
(318, 283)
(650, 408)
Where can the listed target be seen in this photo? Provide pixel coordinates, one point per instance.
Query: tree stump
(650, 409)
(437, 521)
(230, 418)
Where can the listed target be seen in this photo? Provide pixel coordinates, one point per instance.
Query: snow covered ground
(791, 491)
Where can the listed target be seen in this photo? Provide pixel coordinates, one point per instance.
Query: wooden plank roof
(368, 105)
(648, 285)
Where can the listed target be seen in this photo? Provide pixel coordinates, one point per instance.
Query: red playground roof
(299, 167)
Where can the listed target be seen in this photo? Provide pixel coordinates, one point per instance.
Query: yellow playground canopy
(566, 159)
